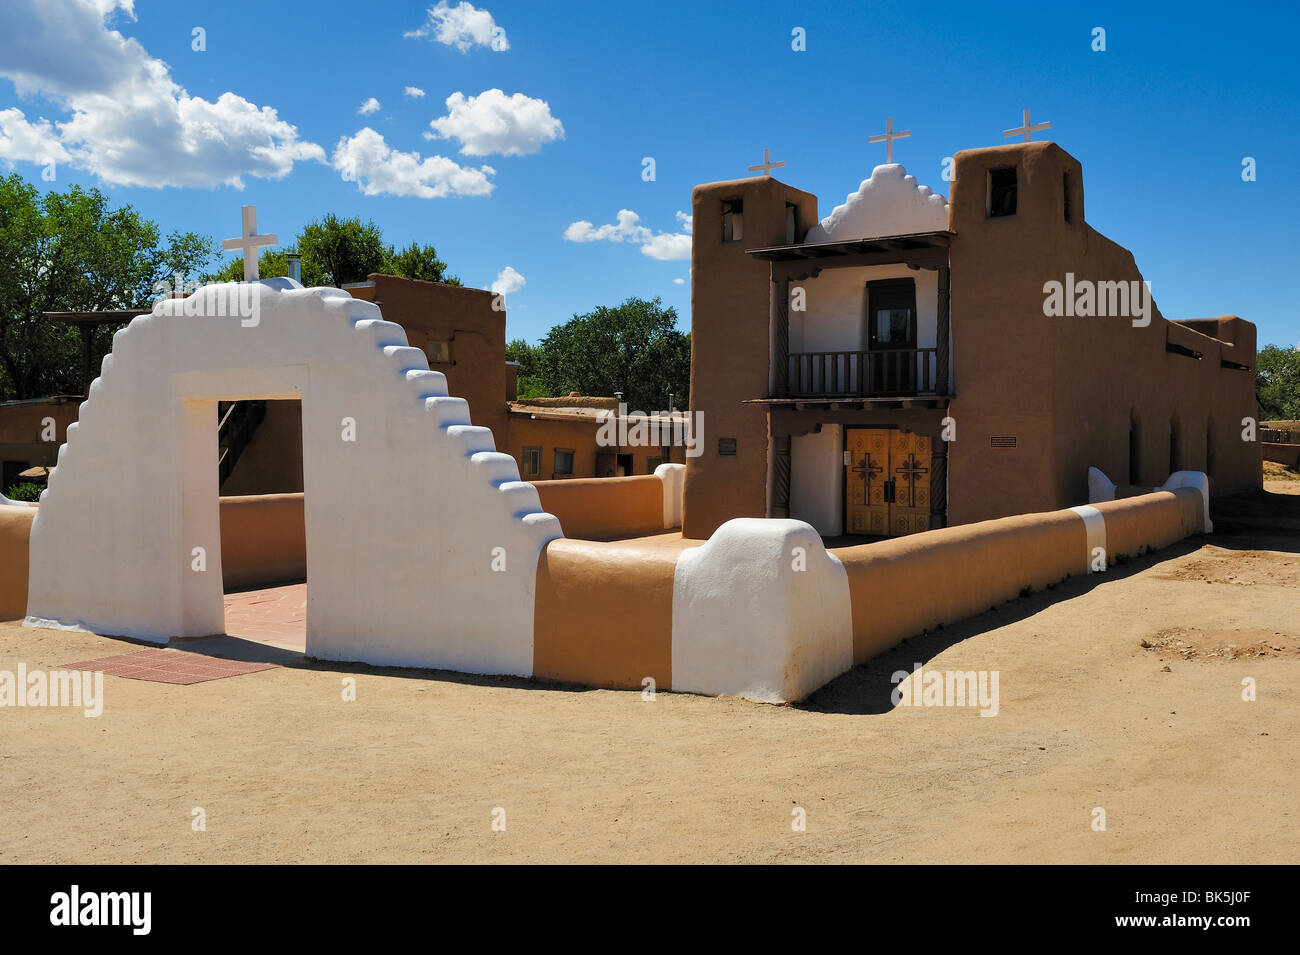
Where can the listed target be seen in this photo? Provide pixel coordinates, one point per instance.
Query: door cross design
(911, 470)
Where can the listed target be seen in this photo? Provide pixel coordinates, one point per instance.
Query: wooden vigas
(888, 485)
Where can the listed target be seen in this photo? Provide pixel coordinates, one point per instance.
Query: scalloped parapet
(889, 203)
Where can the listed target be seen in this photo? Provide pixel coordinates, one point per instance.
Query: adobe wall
(15, 533)
(984, 564)
(1068, 386)
(463, 317)
(1003, 373)
(605, 507)
(1285, 454)
(21, 426)
(263, 540)
(730, 346)
(604, 613)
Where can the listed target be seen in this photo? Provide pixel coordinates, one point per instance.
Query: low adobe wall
(604, 613)
(15, 535)
(1287, 454)
(763, 611)
(263, 540)
(903, 586)
(604, 508)
(1136, 525)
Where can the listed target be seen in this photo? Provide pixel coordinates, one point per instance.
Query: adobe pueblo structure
(905, 368)
(909, 363)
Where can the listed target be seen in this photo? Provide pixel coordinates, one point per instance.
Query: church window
(1002, 192)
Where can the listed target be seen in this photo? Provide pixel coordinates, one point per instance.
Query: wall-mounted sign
(727, 447)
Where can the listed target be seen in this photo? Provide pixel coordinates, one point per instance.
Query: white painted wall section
(431, 564)
(817, 479)
(673, 477)
(889, 203)
(748, 622)
(1198, 480)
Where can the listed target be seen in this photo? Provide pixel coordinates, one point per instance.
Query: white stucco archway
(422, 543)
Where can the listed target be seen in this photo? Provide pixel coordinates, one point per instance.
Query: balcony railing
(863, 374)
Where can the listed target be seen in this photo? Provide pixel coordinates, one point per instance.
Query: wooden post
(86, 331)
(781, 476)
(942, 336)
(781, 353)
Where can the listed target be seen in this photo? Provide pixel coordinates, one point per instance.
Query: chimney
(295, 266)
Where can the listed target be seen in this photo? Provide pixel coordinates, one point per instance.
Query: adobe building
(31, 432)
(906, 362)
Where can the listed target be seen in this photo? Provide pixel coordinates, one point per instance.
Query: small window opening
(1002, 192)
(733, 220)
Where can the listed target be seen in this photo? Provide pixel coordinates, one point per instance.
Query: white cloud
(462, 26)
(22, 141)
(493, 122)
(413, 91)
(381, 170)
(679, 281)
(668, 248)
(129, 122)
(664, 246)
(508, 282)
(626, 228)
(369, 106)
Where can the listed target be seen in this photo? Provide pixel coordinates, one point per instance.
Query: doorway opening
(263, 521)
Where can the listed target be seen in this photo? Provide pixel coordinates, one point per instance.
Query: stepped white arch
(422, 542)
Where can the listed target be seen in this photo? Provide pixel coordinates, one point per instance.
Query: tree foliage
(1277, 383)
(633, 348)
(72, 252)
(338, 251)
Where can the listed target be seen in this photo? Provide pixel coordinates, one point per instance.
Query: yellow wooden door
(888, 484)
(866, 510)
(909, 460)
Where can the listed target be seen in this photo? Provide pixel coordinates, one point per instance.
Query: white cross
(1027, 129)
(888, 137)
(766, 166)
(249, 241)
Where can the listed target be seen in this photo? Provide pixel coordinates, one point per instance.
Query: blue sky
(1161, 121)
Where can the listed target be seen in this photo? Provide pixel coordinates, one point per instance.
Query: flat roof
(909, 242)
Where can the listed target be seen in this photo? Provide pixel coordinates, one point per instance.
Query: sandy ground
(1121, 691)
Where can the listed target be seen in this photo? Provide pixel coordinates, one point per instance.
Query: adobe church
(900, 364)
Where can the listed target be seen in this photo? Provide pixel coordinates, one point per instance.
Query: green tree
(634, 348)
(337, 251)
(418, 262)
(1277, 383)
(529, 383)
(72, 252)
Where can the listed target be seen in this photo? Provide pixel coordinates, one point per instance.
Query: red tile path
(159, 665)
(277, 615)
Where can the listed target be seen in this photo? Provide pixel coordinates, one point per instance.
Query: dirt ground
(1121, 691)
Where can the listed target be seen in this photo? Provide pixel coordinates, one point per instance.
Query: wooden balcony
(886, 373)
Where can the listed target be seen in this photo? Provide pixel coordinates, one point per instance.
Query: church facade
(910, 362)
